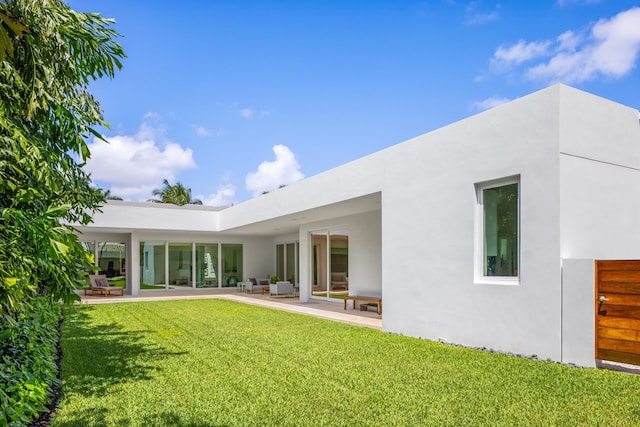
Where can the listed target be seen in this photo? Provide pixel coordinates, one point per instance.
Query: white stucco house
(481, 233)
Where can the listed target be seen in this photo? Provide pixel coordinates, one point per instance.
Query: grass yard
(216, 362)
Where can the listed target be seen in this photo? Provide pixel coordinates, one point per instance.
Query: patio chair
(339, 281)
(256, 285)
(99, 284)
(281, 288)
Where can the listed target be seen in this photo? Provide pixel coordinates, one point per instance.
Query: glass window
(280, 273)
(180, 265)
(206, 265)
(339, 265)
(330, 264)
(292, 262)
(231, 264)
(500, 229)
(287, 262)
(152, 263)
(112, 263)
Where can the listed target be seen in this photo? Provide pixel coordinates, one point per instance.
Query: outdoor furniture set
(264, 286)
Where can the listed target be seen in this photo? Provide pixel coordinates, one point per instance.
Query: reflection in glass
(206, 265)
(339, 265)
(180, 265)
(330, 264)
(500, 206)
(152, 263)
(291, 262)
(231, 264)
(111, 259)
(280, 262)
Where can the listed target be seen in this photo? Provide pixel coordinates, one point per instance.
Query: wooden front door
(618, 311)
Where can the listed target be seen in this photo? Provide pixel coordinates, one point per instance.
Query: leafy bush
(48, 55)
(28, 368)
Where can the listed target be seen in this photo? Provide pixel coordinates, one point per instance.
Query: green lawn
(216, 362)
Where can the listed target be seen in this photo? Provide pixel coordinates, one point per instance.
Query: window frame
(479, 256)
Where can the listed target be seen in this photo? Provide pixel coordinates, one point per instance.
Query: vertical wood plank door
(617, 303)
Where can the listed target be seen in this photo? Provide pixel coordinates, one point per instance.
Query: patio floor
(318, 308)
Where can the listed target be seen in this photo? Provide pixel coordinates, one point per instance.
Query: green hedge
(28, 368)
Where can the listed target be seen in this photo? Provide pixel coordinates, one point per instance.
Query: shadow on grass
(174, 420)
(101, 417)
(97, 357)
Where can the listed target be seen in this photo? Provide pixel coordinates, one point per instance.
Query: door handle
(603, 299)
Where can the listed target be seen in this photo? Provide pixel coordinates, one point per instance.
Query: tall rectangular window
(500, 224)
(292, 262)
(232, 271)
(206, 265)
(180, 272)
(152, 263)
(280, 262)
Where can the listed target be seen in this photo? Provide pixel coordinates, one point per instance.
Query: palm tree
(107, 195)
(176, 194)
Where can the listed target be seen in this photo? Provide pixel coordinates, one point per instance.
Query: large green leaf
(48, 53)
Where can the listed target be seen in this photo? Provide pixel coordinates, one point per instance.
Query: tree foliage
(176, 194)
(49, 53)
(107, 195)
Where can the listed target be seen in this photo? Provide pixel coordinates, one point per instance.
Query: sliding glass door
(180, 272)
(231, 264)
(287, 267)
(110, 258)
(206, 265)
(152, 265)
(189, 265)
(330, 264)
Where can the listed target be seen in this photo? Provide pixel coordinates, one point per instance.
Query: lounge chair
(98, 284)
(339, 281)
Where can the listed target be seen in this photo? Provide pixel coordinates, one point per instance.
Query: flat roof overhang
(126, 223)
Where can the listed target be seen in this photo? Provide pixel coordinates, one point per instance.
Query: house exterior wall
(600, 210)
(156, 216)
(578, 322)
(600, 178)
(416, 237)
(429, 226)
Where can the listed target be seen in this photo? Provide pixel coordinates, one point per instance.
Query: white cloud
(563, 3)
(152, 115)
(225, 195)
(473, 16)
(270, 175)
(506, 57)
(610, 48)
(202, 131)
(250, 113)
(568, 41)
(247, 113)
(489, 103)
(134, 165)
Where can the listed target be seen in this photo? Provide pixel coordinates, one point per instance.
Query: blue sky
(233, 98)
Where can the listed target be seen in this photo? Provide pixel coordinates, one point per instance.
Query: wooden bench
(372, 300)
